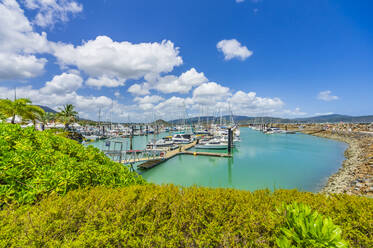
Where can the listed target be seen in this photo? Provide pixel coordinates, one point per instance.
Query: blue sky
(287, 58)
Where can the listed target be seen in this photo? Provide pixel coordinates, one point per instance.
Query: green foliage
(34, 164)
(21, 107)
(47, 117)
(2, 116)
(307, 228)
(170, 216)
(67, 115)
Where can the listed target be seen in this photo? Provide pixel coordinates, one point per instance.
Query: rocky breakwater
(356, 174)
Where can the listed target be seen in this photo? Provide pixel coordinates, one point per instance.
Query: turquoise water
(260, 161)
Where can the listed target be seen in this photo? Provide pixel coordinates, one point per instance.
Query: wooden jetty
(148, 159)
(150, 163)
(211, 154)
(167, 155)
(183, 150)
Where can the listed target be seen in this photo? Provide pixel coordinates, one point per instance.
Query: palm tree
(46, 118)
(21, 107)
(67, 115)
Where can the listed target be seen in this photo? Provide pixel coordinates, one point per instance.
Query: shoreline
(355, 176)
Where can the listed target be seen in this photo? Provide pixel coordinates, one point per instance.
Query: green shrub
(34, 164)
(307, 228)
(170, 216)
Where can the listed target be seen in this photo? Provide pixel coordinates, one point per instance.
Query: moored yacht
(182, 138)
(165, 143)
(213, 144)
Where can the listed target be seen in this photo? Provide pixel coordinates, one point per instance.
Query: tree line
(24, 109)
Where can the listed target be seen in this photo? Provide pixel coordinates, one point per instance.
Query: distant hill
(337, 118)
(334, 118)
(225, 119)
(47, 109)
(161, 123)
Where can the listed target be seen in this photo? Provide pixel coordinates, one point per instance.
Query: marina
(241, 123)
(165, 148)
(259, 161)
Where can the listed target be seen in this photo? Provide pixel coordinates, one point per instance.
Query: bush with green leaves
(307, 228)
(170, 216)
(34, 164)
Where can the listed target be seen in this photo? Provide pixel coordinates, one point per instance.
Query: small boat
(224, 139)
(182, 138)
(237, 132)
(202, 132)
(272, 130)
(204, 141)
(164, 142)
(91, 137)
(213, 144)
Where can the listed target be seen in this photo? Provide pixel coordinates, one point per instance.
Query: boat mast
(111, 114)
(199, 116)
(99, 121)
(221, 117)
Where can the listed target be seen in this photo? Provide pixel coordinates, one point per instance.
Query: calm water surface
(260, 161)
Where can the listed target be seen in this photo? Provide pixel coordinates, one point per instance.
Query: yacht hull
(215, 147)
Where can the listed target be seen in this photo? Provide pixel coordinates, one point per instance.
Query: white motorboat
(91, 137)
(166, 141)
(237, 132)
(182, 138)
(213, 144)
(204, 141)
(272, 130)
(162, 144)
(224, 139)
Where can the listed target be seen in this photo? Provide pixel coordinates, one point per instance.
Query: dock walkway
(150, 159)
(183, 150)
(167, 155)
(213, 154)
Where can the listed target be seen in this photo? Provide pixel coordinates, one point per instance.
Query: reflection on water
(230, 162)
(260, 161)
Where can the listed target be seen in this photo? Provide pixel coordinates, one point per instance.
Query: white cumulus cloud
(170, 105)
(249, 103)
(326, 113)
(104, 81)
(139, 89)
(182, 84)
(326, 96)
(51, 11)
(209, 93)
(19, 44)
(120, 61)
(86, 104)
(233, 49)
(149, 99)
(210, 89)
(296, 112)
(170, 83)
(117, 94)
(15, 66)
(147, 102)
(62, 84)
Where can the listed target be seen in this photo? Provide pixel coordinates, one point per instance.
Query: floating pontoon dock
(149, 159)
